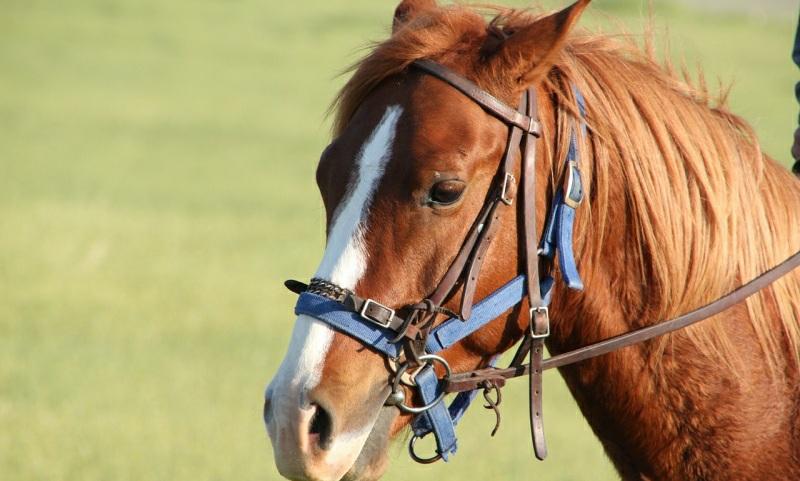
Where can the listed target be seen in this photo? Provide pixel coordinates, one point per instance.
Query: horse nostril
(320, 427)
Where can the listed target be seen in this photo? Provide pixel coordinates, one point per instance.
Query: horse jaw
(373, 461)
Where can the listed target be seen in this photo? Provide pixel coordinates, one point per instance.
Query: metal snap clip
(417, 458)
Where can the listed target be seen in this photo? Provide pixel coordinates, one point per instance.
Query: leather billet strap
(456, 269)
(538, 314)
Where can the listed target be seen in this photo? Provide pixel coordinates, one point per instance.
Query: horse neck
(651, 404)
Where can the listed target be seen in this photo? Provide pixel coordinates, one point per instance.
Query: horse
(680, 207)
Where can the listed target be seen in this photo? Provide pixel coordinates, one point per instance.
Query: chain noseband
(410, 341)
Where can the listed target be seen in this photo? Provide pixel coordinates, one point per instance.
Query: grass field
(156, 186)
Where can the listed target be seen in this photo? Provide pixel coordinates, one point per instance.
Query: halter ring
(429, 359)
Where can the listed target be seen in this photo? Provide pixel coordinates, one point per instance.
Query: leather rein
(411, 341)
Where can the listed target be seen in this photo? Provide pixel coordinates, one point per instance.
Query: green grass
(156, 186)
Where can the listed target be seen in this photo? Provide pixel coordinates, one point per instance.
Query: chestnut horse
(681, 207)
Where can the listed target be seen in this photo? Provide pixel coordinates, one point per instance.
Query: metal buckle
(373, 320)
(534, 128)
(542, 310)
(572, 172)
(504, 191)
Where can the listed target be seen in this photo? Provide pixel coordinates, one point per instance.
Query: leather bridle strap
(539, 325)
(473, 379)
(468, 262)
(493, 105)
(489, 228)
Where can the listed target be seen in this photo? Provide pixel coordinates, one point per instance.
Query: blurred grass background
(156, 186)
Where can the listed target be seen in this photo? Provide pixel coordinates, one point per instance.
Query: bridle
(411, 341)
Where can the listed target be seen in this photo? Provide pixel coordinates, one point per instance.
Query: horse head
(411, 166)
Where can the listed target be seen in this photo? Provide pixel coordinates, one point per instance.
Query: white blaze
(343, 262)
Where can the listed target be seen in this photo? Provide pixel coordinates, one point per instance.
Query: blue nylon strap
(557, 238)
(437, 417)
(559, 228)
(488, 309)
(453, 330)
(548, 242)
(566, 258)
(334, 314)
(581, 101)
(546, 288)
(421, 426)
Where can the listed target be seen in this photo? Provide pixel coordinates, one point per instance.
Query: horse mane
(707, 211)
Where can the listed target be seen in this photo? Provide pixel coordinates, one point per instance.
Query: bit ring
(429, 359)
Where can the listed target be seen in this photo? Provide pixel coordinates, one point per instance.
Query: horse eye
(446, 192)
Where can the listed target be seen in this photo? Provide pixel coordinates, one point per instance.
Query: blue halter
(437, 418)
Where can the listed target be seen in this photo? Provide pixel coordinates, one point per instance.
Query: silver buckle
(533, 127)
(373, 320)
(504, 191)
(572, 168)
(543, 310)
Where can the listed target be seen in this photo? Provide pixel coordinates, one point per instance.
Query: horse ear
(409, 9)
(528, 53)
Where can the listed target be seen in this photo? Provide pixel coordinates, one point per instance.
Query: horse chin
(373, 460)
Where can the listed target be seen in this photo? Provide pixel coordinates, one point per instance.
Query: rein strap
(472, 380)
